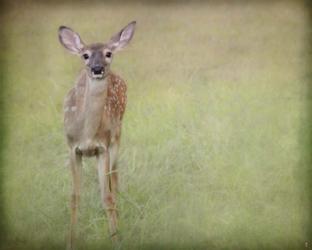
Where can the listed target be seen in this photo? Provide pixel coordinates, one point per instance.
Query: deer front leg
(113, 153)
(108, 196)
(75, 166)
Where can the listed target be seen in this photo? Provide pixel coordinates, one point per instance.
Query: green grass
(212, 152)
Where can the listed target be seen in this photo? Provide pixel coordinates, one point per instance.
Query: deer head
(98, 56)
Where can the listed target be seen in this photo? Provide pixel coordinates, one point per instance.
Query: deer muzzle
(97, 71)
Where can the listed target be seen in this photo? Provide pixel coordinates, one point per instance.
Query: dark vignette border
(3, 43)
(308, 127)
(306, 138)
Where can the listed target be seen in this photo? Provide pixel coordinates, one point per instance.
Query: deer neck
(96, 89)
(95, 99)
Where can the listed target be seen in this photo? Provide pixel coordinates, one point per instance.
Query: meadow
(214, 142)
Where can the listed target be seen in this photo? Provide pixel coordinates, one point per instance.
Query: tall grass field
(214, 148)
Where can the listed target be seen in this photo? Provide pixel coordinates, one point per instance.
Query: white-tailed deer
(93, 112)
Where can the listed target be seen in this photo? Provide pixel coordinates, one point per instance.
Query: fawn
(93, 112)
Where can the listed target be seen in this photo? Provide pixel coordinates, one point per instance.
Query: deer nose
(97, 69)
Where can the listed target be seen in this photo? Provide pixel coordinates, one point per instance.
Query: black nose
(97, 69)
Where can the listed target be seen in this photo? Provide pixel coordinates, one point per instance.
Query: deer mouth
(97, 72)
(97, 75)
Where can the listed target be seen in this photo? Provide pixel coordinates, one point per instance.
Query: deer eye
(85, 56)
(108, 54)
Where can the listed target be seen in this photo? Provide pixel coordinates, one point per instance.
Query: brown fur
(108, 115)
(93, 112)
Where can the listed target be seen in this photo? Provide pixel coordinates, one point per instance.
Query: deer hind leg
(75, 166)
(108, 187)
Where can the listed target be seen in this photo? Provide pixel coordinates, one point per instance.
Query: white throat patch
(98, 85)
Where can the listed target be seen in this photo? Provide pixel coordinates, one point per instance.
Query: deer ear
(70, 39)
(122, 38)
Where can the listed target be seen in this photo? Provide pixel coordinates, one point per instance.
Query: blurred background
(215, 145)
